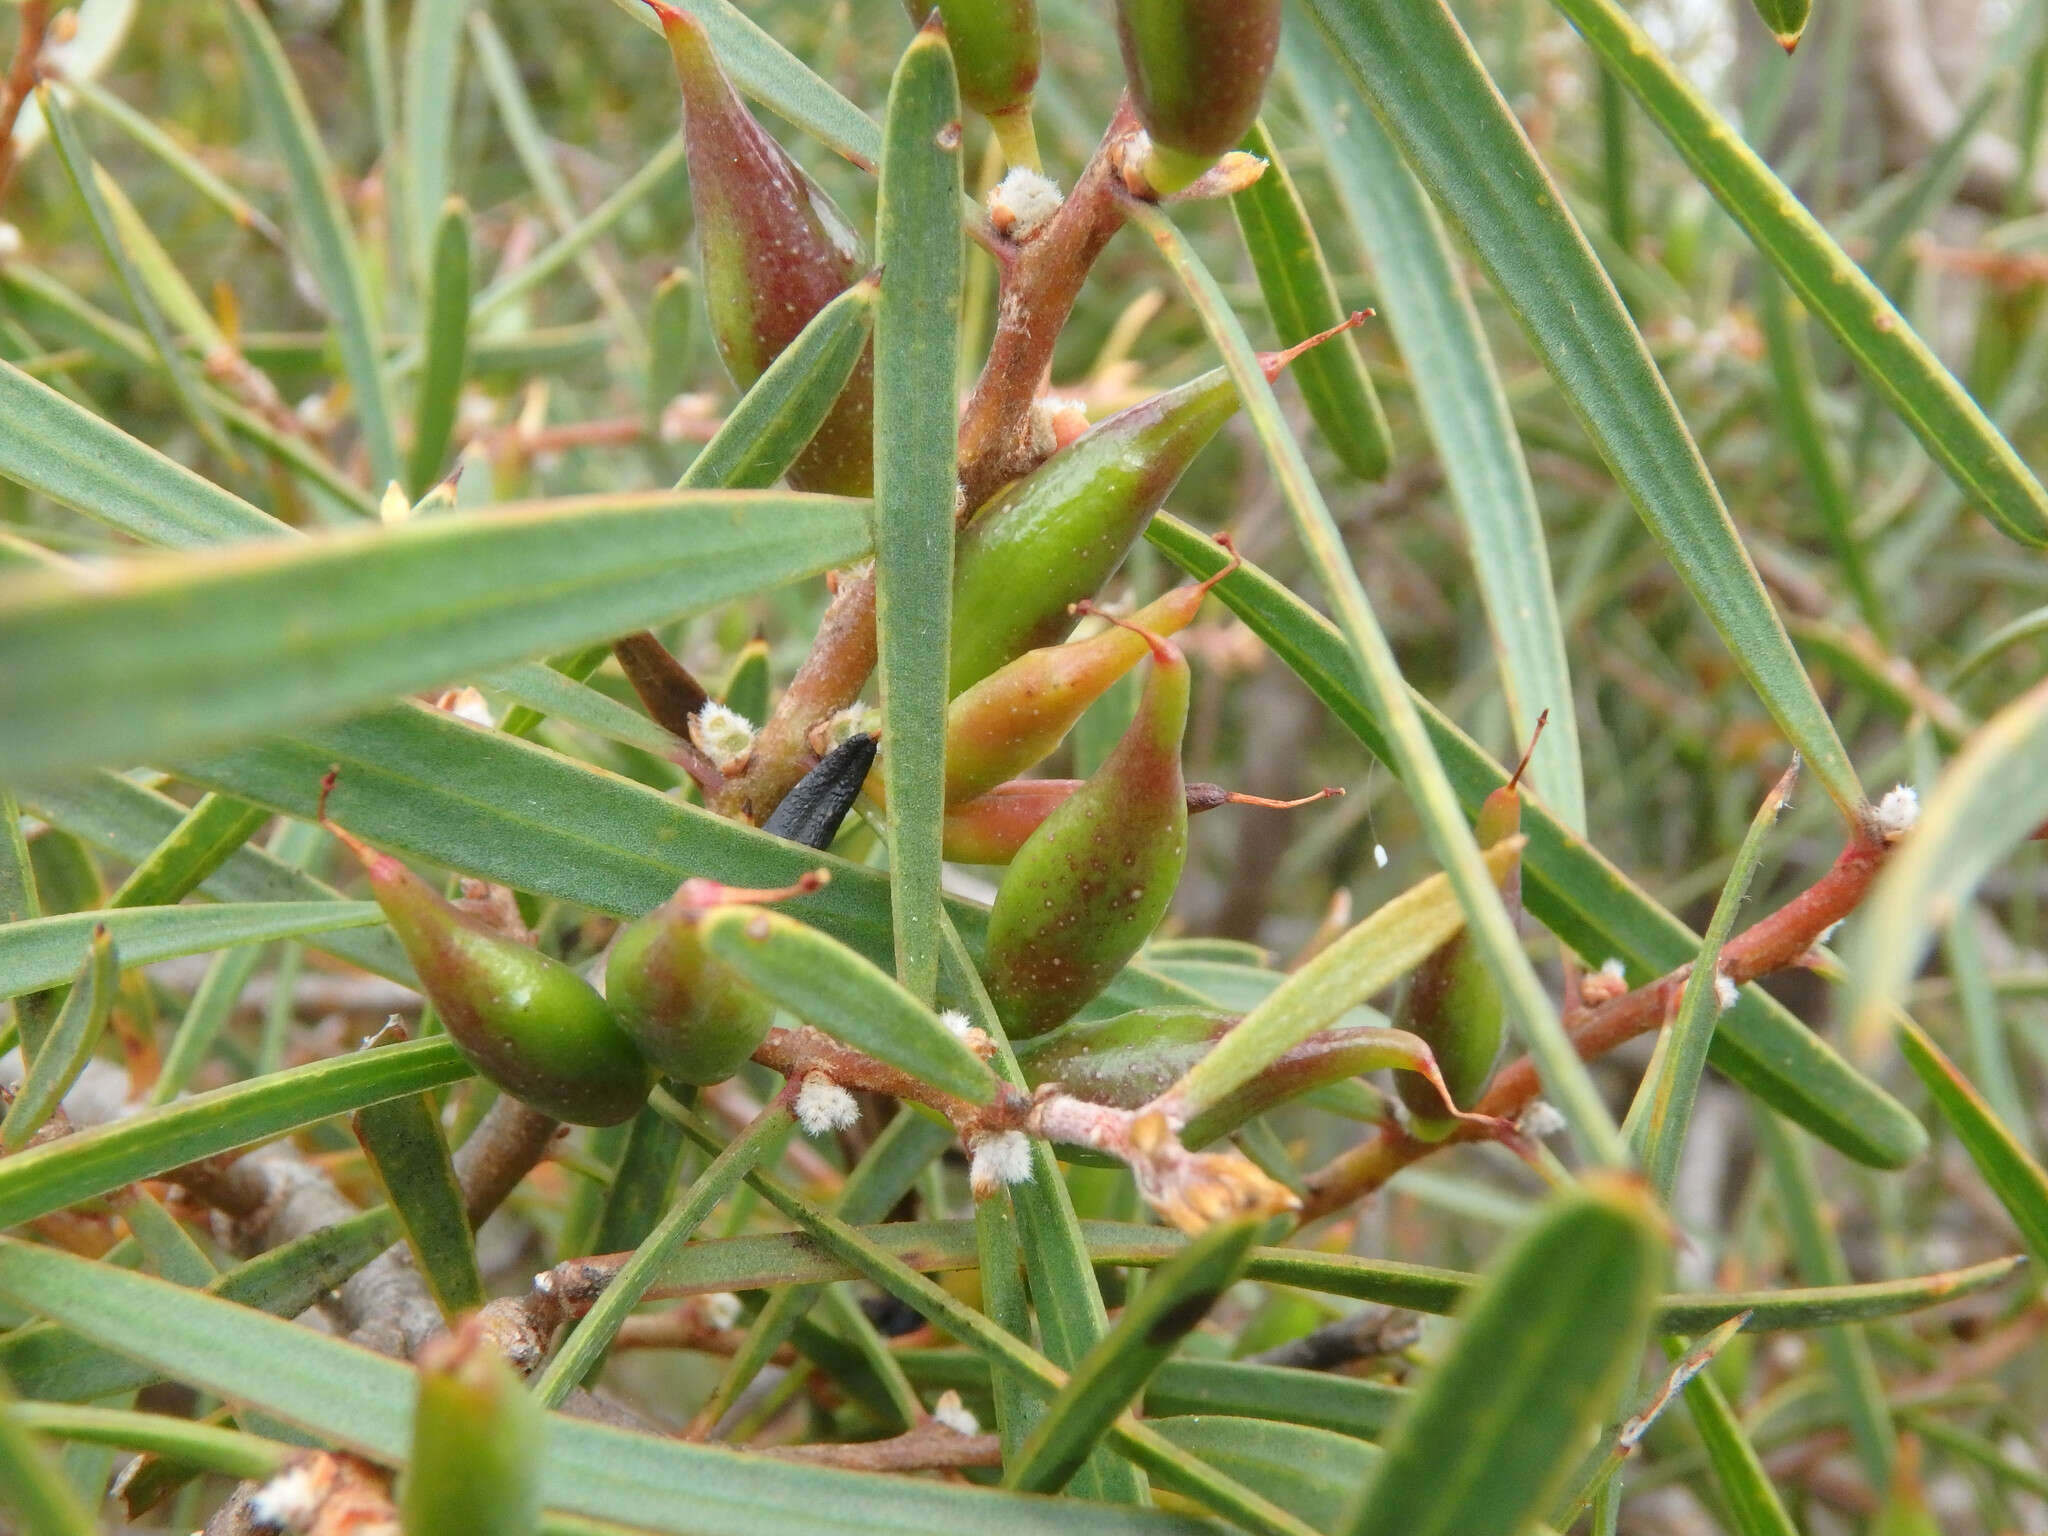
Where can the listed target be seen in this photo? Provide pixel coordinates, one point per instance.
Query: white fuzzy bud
(722, 1309)
(724, 735)
(1725, 991)
(823, 1106)
(1897, 811)
(954, 1414)
(998, 1160)
(1540, 1121)
(291, 1500)
(956, 1022)
(1022, 203)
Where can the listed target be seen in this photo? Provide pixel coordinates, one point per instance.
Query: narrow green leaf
(1178, 1296)
(56, 1365)
(478, 1440)
(166, 147)
(168, 653)
(2010, 1172)
(93, 1162)
(1310, 1472)
(1065, 1293)
(78, 166)
(1798, 396)
(748, 686)
(1818, 1250)
(18, 900)
(230, 1452)
(62, 1055)
(776, 418)
(168, 1250)
(42, 952)
(447, 333)
(212, 830)
(641, 1184)
(828, 985)
(1565, 1078)
(130, 821)
(409, 1156)
(1571, 887)
(537, 153)
(1413, 63)
(1539, 1355)
(552, 695)
(431, 80)
(1166, 1463)
(1753, 1505)
(181, 305)
(363, 1401)
(884, 1174)
(1465, 410)
(917, 326)
(573, 245)
(600, 1325)
(1301, 300)
(1890, 354)
(1663, 1109)
(1991, 798)
(1371, 956)
(64, 451)
(316, 205)
(30, 1483)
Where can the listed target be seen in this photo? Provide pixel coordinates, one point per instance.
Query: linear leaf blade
(1889, 352)
(163, 654)
(1413, 63)
(1466, 412)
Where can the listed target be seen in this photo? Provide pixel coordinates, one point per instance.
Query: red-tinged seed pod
(1052, 538)
(1197, 71)
(1090, 885)
(775, 251)
(993, 827)
(1019, 714)
(524, 1020)
(1453, 1004)
(691, 1014)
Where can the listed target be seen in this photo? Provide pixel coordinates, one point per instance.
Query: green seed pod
(993, 827)
(775, 251)
(1052, 538)
(1019, 714)
(1090, 885)
(1197, 72)
(1453, 1004)
(525, 1021)
(995, 50)
(695, 1018)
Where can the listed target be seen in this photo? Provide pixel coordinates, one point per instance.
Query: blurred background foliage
(573, 390)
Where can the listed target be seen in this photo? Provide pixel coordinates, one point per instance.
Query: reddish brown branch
(1040, 281)
(1773, 943)
(21, 78)
(832, 676)
(930, 1446)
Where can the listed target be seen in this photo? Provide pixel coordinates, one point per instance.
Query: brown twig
(930, 1446)
(21, 78)
(832, 676)
(1364, 1335)
(1773, 943)
(1040, 281)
